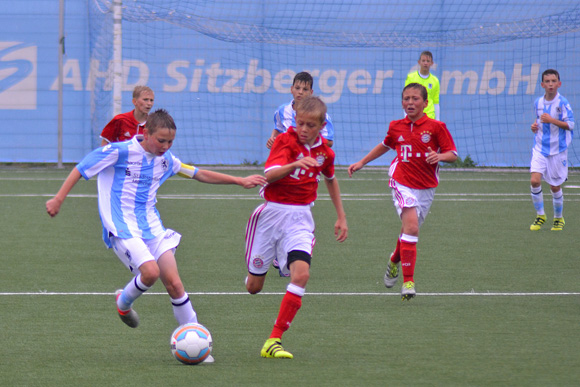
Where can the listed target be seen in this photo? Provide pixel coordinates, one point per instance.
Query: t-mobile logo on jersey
(17, 76)
(407, 152)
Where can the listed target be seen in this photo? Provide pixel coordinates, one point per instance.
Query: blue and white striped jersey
(285, 117)
(550, 139)
(128, 180)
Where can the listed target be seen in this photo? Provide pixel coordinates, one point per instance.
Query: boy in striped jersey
(285, 115)
(129, 176)
(553, 132)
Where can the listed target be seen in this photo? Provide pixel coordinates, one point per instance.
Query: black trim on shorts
(298, 255)
(258, 275)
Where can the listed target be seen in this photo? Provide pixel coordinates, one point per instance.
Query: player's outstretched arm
(340, 227)
(375, 153)
(212, 177)
(53, 205)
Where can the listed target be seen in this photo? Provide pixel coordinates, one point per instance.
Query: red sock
(396, 256)
(408, 258)
(288, 309)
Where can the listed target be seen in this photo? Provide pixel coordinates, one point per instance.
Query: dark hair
(550, 72)
(417, 86)
(159, 119)
(312, 104)
(138, 90)
(303, 77)
(426, 53)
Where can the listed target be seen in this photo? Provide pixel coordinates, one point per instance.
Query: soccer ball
(191, 343)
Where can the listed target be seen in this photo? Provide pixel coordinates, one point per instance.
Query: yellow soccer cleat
(558, 224)
(273, 348)
(391, 275)
(538, 222)
(408, 291)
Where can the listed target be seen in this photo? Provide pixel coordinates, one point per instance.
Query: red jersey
(122, 127)
(410, 140)
(299, 187)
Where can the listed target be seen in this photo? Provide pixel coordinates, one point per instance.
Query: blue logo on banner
(23, 67)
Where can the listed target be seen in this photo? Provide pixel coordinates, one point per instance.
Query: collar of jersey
(419, 122)
(293, 133)
(137, 140)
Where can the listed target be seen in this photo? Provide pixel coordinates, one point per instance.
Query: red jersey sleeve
(280, 154)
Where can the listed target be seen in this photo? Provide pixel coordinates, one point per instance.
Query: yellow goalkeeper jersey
(431, 83)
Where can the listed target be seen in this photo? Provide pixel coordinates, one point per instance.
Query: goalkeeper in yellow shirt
(424, 77)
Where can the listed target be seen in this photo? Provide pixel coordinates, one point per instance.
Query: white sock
(538, 199)
(295, 289)
(183, 310)
(558, 201)
(133, 290)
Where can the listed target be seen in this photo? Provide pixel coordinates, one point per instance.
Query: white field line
(337, 294)
(458, 197)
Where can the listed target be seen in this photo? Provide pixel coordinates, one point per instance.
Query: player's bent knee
(255, 283)
(149, 273)
(253, 290)
(300, 274)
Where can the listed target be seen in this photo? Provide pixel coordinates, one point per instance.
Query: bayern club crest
(426, 137)
(320, 159)
(258, 261)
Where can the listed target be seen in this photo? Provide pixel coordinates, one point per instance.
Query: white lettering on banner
(283, 81)
(95, 73)
(458, 78)
(71, 71)
(183, 75)
(197, 74)
(488, 75)
(181, 79)
(531, 79)
(253, 73)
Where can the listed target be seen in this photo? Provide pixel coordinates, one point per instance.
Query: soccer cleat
(538, 222)
(273, 348)
(129, 317)
(408, 291)
(392, 274)
(208, 360)
(558, 224)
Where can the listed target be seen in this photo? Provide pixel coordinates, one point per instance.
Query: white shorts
(404, 196)
(554, 169)
(273, 231)
(134, 252)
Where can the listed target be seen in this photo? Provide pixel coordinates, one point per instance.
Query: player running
(421, 143)
(283, 227)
